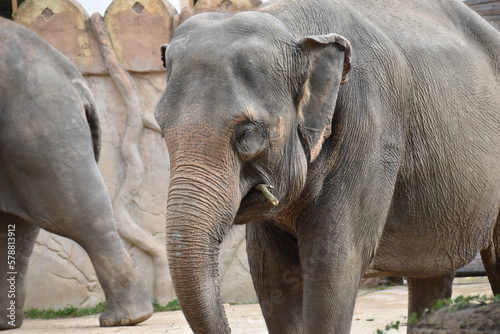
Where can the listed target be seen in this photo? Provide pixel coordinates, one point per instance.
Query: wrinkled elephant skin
(49, 143)
(377, 123)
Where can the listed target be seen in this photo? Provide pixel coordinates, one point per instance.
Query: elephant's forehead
(221, 45)
(241, 35)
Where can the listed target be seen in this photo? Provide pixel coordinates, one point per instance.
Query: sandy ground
(374, 310)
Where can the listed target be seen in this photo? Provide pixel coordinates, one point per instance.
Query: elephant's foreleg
(17, 238)
(423, 293)
(277, 276)
(332, 269)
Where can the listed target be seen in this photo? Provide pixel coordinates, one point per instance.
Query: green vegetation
(67, 312)
(462, 302)
(392, 325)
(73, 312)
(414, 318)
(171, 306)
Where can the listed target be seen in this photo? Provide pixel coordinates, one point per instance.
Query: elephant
(352, 137)
(49, 145)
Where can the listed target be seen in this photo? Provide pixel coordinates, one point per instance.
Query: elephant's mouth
(258, 203)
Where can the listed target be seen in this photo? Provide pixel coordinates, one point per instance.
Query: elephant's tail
(91, 113)
(95, 128)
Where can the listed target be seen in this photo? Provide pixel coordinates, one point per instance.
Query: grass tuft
(67, 312)
(464, 301)
(171, 306)
(73, 312)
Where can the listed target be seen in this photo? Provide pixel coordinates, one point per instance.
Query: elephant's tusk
(264, 189)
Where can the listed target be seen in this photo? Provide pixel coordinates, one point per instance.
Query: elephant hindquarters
(65, 194)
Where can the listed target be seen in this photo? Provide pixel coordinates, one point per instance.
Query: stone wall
(119, 56)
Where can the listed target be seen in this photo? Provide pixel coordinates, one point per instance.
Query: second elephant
(49, 143)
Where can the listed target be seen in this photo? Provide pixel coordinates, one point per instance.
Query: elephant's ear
(328, 62)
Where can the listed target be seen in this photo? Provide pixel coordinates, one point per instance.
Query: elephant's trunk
(193, 266)
(199, 213)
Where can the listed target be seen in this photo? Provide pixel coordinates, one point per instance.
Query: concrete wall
(119, 56)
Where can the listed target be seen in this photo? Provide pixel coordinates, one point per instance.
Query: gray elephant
(377, 123)
(49, 144)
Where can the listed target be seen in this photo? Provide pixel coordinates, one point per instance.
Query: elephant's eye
(250, 139)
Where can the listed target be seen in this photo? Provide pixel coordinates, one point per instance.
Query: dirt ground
(374, 310)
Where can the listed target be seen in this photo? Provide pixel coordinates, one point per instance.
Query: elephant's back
(38, 82)
(432, 32)
(28, 63)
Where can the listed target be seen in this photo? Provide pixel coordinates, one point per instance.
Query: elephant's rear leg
(491, 260)
(425, 292)
(125, 287)
(80, 209)
(17, 238)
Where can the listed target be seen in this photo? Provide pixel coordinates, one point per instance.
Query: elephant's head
(246, 104)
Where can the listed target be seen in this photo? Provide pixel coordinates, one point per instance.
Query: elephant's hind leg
(425, 292)
(491, 260)
(81, 210)
(17, 238)
(125, 287)
(277, 276)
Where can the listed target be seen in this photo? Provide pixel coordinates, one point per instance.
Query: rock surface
(470, 320)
